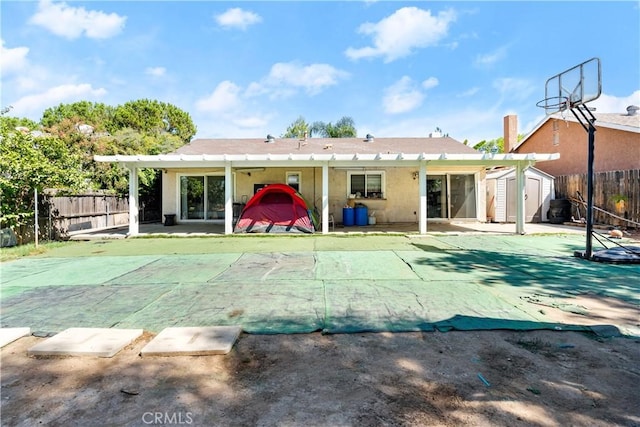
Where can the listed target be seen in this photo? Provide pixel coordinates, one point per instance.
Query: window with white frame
(294, 180)
(366, 184)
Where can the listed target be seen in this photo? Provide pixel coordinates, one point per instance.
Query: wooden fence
(616, 192)
(60, 215)
(84, 212)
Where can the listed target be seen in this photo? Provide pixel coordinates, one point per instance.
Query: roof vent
(632, 110)
(436, 134)
(369, 137)
(270, 139)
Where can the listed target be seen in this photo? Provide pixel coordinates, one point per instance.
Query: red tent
(276, 208)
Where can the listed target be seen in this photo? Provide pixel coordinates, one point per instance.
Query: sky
(247, 69)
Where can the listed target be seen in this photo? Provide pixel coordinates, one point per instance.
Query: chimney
(510, 132)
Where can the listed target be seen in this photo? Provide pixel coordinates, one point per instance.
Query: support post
(134, 223)
(228, 199)
(35, 226)
(422, 208)
(325, 198)
(590, 177)
(520, 197)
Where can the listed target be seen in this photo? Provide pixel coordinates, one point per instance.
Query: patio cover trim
(275, 160)
(228, 161)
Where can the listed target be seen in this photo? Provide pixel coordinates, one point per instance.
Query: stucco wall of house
(614, 149)
(401, 194)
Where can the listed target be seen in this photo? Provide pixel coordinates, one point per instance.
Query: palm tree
(298, 129)
(344, 128)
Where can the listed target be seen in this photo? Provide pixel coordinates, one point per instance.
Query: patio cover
(229, 162)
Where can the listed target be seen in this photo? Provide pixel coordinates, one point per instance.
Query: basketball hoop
(571, 90)
(554, 104)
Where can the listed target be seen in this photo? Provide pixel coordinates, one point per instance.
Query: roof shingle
(437, 145)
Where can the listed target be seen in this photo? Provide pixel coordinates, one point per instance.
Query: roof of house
(330, 151)
(435, 145)
(619, 121)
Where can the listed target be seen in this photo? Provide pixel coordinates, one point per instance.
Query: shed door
(532, 200)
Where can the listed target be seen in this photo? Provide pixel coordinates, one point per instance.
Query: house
(402, 180)
(616, 164)
(617, 142)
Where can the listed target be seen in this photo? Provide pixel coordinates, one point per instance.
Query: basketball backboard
(573, 87)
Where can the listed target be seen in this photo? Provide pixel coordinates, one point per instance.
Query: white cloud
(402, 96)
(155, 71)
(284, 79)
(431, 82)
(225, 113)
(488, 59)
(399, 34)
(225, 97)
(72, 22)
(613, 104)
(469, 92)
(237, 18)
(12, 59)
(66, 93)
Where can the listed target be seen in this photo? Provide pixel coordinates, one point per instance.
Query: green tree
(137, 127)
(98, 115)
(344, 128)
(128, 142)
(12, 123)
(29, 162)
(154, 117)
(297, 129)
(493, 144)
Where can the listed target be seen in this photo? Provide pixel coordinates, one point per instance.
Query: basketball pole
(589, 248)
(591, 130)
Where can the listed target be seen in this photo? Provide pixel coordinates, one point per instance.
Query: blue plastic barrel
(347, 217)
(362, 215)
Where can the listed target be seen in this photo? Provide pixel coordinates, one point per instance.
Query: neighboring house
(616, 163)
(617, 142)
(402, 180)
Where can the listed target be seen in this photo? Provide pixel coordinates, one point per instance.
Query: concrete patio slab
(9, 335)
(193, 341)
(99, 342)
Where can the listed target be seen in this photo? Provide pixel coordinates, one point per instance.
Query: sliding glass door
(451, 196)
(436, 196)
(201, 197)
(463, 196)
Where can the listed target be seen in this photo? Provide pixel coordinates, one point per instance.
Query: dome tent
(276, 208)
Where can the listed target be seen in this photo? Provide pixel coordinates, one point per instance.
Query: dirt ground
(477, 378)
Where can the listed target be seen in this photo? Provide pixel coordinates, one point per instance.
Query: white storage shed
(501, 195)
